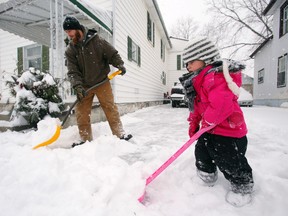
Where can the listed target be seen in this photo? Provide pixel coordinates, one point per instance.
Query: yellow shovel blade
(51, 140)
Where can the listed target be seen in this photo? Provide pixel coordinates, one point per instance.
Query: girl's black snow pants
(228, 154)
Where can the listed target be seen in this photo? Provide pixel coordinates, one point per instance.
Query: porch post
(57, 42)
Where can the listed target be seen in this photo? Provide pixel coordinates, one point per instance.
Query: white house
(175, 56)
(271, 59)
(31, 35)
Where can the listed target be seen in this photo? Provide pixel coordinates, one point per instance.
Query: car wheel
(174, 104)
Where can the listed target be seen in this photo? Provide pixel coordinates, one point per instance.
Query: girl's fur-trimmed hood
(233, 66)
(228, 66)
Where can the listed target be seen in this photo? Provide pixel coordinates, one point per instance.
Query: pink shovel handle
(174, 157)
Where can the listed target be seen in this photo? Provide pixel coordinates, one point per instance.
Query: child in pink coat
(212, 88)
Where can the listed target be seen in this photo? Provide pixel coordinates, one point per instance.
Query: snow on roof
(96, 13)
(21, 17)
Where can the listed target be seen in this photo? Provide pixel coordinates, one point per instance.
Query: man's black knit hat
(71, 23)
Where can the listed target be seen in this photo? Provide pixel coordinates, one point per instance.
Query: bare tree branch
(242, 22)
(238, 44)
(185, 28)
(230, 11)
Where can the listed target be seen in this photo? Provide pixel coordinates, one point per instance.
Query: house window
(32, 57)
(36, 56)
(261, 76)
(162, 50)
(134, 52)
(284, 19)
(150, 29)
(163, 78)
(282, 71)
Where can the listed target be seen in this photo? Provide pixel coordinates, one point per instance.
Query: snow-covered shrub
(37, 96)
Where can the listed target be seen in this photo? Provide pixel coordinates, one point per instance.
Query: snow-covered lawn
(105, 177)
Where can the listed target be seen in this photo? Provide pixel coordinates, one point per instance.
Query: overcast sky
(173, 10)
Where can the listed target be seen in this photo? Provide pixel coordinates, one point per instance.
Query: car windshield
(177, 91)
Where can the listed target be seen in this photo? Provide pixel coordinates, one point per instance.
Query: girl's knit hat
(200, 48)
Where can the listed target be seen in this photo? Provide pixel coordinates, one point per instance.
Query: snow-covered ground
(105, 177)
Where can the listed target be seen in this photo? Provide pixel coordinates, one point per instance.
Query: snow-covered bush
(37, 96)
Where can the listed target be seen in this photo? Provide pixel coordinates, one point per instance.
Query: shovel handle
(110, 77)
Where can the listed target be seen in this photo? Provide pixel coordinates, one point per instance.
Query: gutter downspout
(113, 22)
(1, 75)
(114, 43)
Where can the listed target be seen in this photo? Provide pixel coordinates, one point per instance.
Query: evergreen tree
(37, 96)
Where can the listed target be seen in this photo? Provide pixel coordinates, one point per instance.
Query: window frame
(283, 19)
(164, 78)
(261, 74)
(134, 51)
(27, 58)
(150, 29)
(282, 71)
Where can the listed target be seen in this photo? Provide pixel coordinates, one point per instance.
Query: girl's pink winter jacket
(216, 104)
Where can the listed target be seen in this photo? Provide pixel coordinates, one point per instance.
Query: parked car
(177, 96)
(245, 98)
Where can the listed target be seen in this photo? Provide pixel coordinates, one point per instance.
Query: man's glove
(123, 69)
(80, 91)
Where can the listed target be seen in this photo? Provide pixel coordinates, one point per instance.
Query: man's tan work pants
(106, 100)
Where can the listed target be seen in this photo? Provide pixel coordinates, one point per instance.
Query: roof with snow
(31, 18)
(270, 6)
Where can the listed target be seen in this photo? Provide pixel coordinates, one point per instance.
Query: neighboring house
(247, 83)
(32, 35)
(271, 59)
(176, 68)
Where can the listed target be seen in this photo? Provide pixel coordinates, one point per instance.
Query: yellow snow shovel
(57, 132)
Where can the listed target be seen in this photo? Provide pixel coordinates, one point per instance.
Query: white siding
(8, 59)
(140, 83)
(105, 4)
(268, 59)
(263, 61)
(267, 93)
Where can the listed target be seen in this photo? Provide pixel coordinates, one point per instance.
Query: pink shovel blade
(142, 198)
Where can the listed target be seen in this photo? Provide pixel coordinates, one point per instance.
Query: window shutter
(45, 58)
(162, 52)
(153, 34)
(129, 48)
(161, 49)
(139, 57)
(178, 62)
(20, 59)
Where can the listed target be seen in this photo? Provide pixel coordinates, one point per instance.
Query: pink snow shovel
(173, 158)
